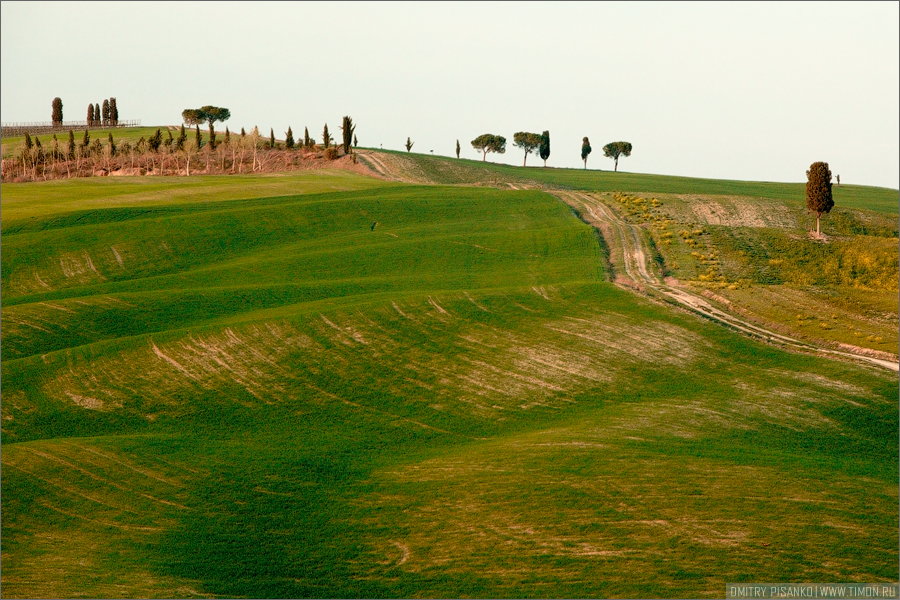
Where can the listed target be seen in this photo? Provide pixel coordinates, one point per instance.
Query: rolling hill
(319, 384)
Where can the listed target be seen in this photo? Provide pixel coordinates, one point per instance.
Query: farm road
(631, 244)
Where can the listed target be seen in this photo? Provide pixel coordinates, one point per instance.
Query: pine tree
(57, 112)
(585, 150)
(105, 110)
(289, 139)
(113, 112)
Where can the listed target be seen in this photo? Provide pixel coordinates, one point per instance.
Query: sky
(747, 91)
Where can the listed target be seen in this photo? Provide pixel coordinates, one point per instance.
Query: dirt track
(634, 264)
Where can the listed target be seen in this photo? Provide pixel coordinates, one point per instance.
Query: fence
(48, 127)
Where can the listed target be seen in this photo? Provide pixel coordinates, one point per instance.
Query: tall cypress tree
(112, 144)
(70, 146)
(457, 148)
(97, 120)
(113, 112)
(306, 141)
(90, 115)
(545, 146)
(326, 137)
(227, 140)
(182, 138)
(271, 138)
(347, 129)
(105, 110)
(57, 112)
(199, 138)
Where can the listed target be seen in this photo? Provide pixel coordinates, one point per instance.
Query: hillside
(321, 384)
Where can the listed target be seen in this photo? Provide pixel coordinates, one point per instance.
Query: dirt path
(635, 264)
(634, 257)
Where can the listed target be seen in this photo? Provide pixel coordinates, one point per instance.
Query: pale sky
(754, 91)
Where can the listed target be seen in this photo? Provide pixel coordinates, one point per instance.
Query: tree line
(540, 143)
(96, 116)
(164, 154)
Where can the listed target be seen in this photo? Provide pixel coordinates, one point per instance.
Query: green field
(325, 385)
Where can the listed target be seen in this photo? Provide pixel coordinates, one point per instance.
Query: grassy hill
(320, 384)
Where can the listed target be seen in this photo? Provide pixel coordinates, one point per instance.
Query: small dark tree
(585, 150)
(545, 146)
(529, 142)
(113, 112)
(489, 143)
(307, 143)
(355, 141)
(289, 139)
(180, 140)
(90, 115)
(347, 129)
(818, 190)
(97, 117)
(409, 144)
(198, 138)
(227, 139)
(271, 138)
(616, 149)
(169, 140)
(70, 146)
(112, 144)
(154, 141)
(457, 148)
(85, 142)
(105, 110)
(29, 144)
(57, 112)
(326, 137)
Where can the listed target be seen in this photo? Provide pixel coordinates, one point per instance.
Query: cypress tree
(28, 143)
(347, 129)
(243, 133)
(585, 150)
(182, 138)
(154, 142)
(818, 190)
(86, 140)
(545, 146)
(113, 112)
(271, 138)
(97, 120)
(169, 140)
(90, 115)
(289, 139)
(306, 141)
(199, 138)
(355, 141)
(70, 146)
(227, 139)
(457, 148)
(105, 112)
(57, 112)
(112, 144)
(326, 137)
(212, 138)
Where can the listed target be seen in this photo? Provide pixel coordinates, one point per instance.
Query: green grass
(396, 390)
